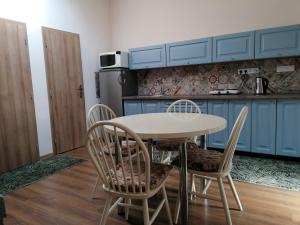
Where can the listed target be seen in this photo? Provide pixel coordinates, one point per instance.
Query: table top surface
(172, 125)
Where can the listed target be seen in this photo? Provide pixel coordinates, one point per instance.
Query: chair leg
(234, 192)
(177, 207)
(167, 205)
(192, 185)
(207, 185)
(127, 201)
(224, 200)
(106, 210)
(95, 188)
(146, 212)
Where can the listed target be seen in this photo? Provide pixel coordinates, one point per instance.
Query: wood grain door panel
(64, 78)
(18, 135)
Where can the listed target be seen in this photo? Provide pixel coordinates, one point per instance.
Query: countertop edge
(215, 97)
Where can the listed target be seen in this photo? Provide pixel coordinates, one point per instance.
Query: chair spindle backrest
(128, 174)
(184, 106)
(99, 112)
(233, 139)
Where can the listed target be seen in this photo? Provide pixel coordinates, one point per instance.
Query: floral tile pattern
(200, 79)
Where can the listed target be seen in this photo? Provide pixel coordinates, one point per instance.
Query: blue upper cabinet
(151, 106)
(147, 57)
(244, 142)
(277, 42)
(132, 107)
(288, 128)
(189, 52)
(219, 108)
(233, 47)
(264, 126)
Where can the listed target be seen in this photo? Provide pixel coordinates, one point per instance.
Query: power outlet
(248, 71)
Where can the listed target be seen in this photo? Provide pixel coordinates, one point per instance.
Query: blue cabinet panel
(219, 108)
(277, 42)
(288, 128)
(244, 142)
(151, 106)
(132, 107)
(189, 52)
(147, 57)
(263, 126)
(233, 47)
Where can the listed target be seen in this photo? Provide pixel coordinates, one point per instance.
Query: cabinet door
(288, 128)
(277, 42)
(233, 47)
(202, 105)
(147, 57)
(244, 142)
(219, 108)
(189, 52)
(151, 106)
(132, 107)
(263, 126)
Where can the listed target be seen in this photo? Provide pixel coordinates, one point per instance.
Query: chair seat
(158, 174)
(125, 152)
(201, 160)
(173, 145)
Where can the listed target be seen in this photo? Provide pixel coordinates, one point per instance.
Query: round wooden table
(174, 126)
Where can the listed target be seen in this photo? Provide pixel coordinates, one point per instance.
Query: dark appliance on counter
(224, 92)
(112, 84)
(261, 85)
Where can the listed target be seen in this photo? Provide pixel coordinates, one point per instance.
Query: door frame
(51, 106)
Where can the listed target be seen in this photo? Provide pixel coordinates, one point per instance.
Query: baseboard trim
(46, 156)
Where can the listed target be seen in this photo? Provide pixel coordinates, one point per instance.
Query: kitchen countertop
(215, 97)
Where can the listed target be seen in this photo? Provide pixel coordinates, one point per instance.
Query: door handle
(81, 91)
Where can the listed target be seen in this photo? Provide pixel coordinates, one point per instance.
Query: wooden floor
(64, 198)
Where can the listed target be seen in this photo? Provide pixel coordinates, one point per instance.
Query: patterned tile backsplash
(200, 79)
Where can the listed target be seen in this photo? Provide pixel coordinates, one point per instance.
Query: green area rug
(23, 176)
(271, 172)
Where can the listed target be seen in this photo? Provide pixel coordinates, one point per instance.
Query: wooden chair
(101, 112)
(214, 165)
(167, 147)
(126, 178)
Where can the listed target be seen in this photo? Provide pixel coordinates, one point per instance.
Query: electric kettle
(261, 85)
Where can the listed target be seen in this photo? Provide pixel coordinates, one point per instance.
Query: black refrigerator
(113, 84)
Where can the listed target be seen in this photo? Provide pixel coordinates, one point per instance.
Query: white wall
(89, 18)
(143, 22)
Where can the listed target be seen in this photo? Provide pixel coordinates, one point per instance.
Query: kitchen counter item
(225, 92)
(261, 85)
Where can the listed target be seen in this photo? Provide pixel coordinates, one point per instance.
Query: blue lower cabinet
(288, 128)
(244, 142)
(219, 108)
(132, 107)
(202, 105)
(151, 106)
(264, 126)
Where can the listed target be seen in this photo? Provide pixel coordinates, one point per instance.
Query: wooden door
(65, 89)
(18, 135)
